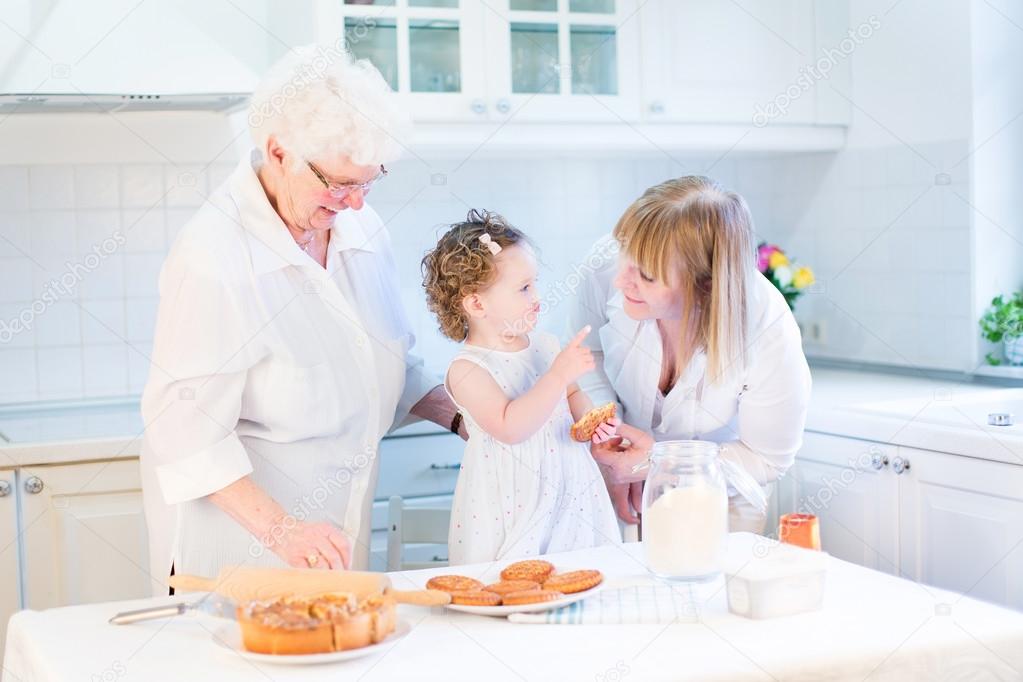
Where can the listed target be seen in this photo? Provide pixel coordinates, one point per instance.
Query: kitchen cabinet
(848, 485)
(83, 534)
(468, 61)
(945, 520)
(722, 62)
(962, 524)
(10, 570)
(506, 76)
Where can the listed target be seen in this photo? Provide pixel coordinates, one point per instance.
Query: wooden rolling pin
(247, 583)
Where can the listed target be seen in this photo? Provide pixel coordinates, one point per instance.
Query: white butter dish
(784, 581)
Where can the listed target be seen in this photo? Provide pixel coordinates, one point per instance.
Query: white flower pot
(1013, 350)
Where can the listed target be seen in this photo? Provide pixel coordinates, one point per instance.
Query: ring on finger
(312, 559)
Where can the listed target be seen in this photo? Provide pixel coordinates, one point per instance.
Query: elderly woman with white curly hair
(281, 353)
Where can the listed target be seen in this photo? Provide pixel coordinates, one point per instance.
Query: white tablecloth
(873, 626)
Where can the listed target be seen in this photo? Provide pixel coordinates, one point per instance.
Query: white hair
(320, 103)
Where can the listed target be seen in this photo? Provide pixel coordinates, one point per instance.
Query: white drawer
(418, 466)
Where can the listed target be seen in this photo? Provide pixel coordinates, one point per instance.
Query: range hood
(128, 55)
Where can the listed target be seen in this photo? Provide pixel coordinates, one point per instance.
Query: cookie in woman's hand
(584, 429)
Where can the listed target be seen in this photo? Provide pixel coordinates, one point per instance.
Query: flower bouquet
(790, 278)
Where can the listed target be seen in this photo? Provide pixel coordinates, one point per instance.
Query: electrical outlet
(814, 331)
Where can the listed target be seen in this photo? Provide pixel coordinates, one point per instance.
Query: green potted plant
(1003, 322)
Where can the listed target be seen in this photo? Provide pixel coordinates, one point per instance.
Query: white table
(872, 626)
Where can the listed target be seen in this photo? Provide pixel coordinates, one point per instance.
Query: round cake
(329, 622)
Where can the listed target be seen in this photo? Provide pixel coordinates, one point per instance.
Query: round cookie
(475, 598)
(453, 583)
(531, 597)
(573, 581)
(536, 570)
(508, 586)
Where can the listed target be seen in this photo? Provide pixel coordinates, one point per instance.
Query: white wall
(890, 241)
(887, 223)
(95, 339)
(998, 160)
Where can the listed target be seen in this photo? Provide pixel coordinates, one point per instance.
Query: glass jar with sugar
(685, 509)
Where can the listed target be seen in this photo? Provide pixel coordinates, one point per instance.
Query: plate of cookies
(525, 587)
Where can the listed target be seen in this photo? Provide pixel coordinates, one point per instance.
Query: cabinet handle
(479, 106)
(33, 485)
(503, 105)
(454, 466)
(5, 488)
(878, 461)
(899, 465)
(657, 107)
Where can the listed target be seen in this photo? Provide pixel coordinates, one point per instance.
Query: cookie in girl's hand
(584, 429)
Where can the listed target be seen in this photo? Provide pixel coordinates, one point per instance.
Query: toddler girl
(525, 487)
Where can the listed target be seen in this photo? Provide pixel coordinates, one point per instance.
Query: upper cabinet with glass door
(427, 50)
(563, 59)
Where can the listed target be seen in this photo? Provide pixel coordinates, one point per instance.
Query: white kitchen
(877, 147)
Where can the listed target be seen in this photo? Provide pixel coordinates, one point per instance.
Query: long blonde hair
(691, 232)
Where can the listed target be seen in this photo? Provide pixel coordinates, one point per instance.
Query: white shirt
(266, 364)
(759, 413)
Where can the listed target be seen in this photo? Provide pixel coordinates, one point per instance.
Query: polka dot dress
(543, 495)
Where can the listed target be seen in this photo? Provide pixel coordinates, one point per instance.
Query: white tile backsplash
(60, 372)
(889, 246)
(18, 372)
(60, 324)
(105, 370)
(103, 321)
(145, 230)
(97, 186)
(51, 187)
(141, 186)
(14, 188)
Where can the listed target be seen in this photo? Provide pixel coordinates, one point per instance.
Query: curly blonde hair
(461, 265)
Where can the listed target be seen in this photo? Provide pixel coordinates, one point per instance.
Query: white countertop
(931, 414)
(67, 432)
(942, 415)
(872, 625)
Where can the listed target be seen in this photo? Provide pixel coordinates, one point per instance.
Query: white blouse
(266, 364)
(759, 413)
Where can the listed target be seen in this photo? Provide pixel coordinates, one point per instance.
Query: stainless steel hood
(128, 55)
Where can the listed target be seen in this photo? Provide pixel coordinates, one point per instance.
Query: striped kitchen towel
(649, 603)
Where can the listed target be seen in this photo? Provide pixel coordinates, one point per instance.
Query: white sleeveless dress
(543, 495)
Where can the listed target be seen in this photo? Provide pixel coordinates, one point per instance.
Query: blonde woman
(691, 341)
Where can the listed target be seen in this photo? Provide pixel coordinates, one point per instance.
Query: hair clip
(486, 241)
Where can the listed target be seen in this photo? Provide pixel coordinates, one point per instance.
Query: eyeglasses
(339, 190)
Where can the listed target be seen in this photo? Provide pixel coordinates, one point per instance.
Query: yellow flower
(778, 259)
(802, 278)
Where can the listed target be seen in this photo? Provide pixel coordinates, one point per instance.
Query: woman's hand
(606, 431)
(574, 360)
(312, 545)
(618, 455)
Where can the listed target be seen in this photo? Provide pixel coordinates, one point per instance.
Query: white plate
(527, 608)
(229, 638)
